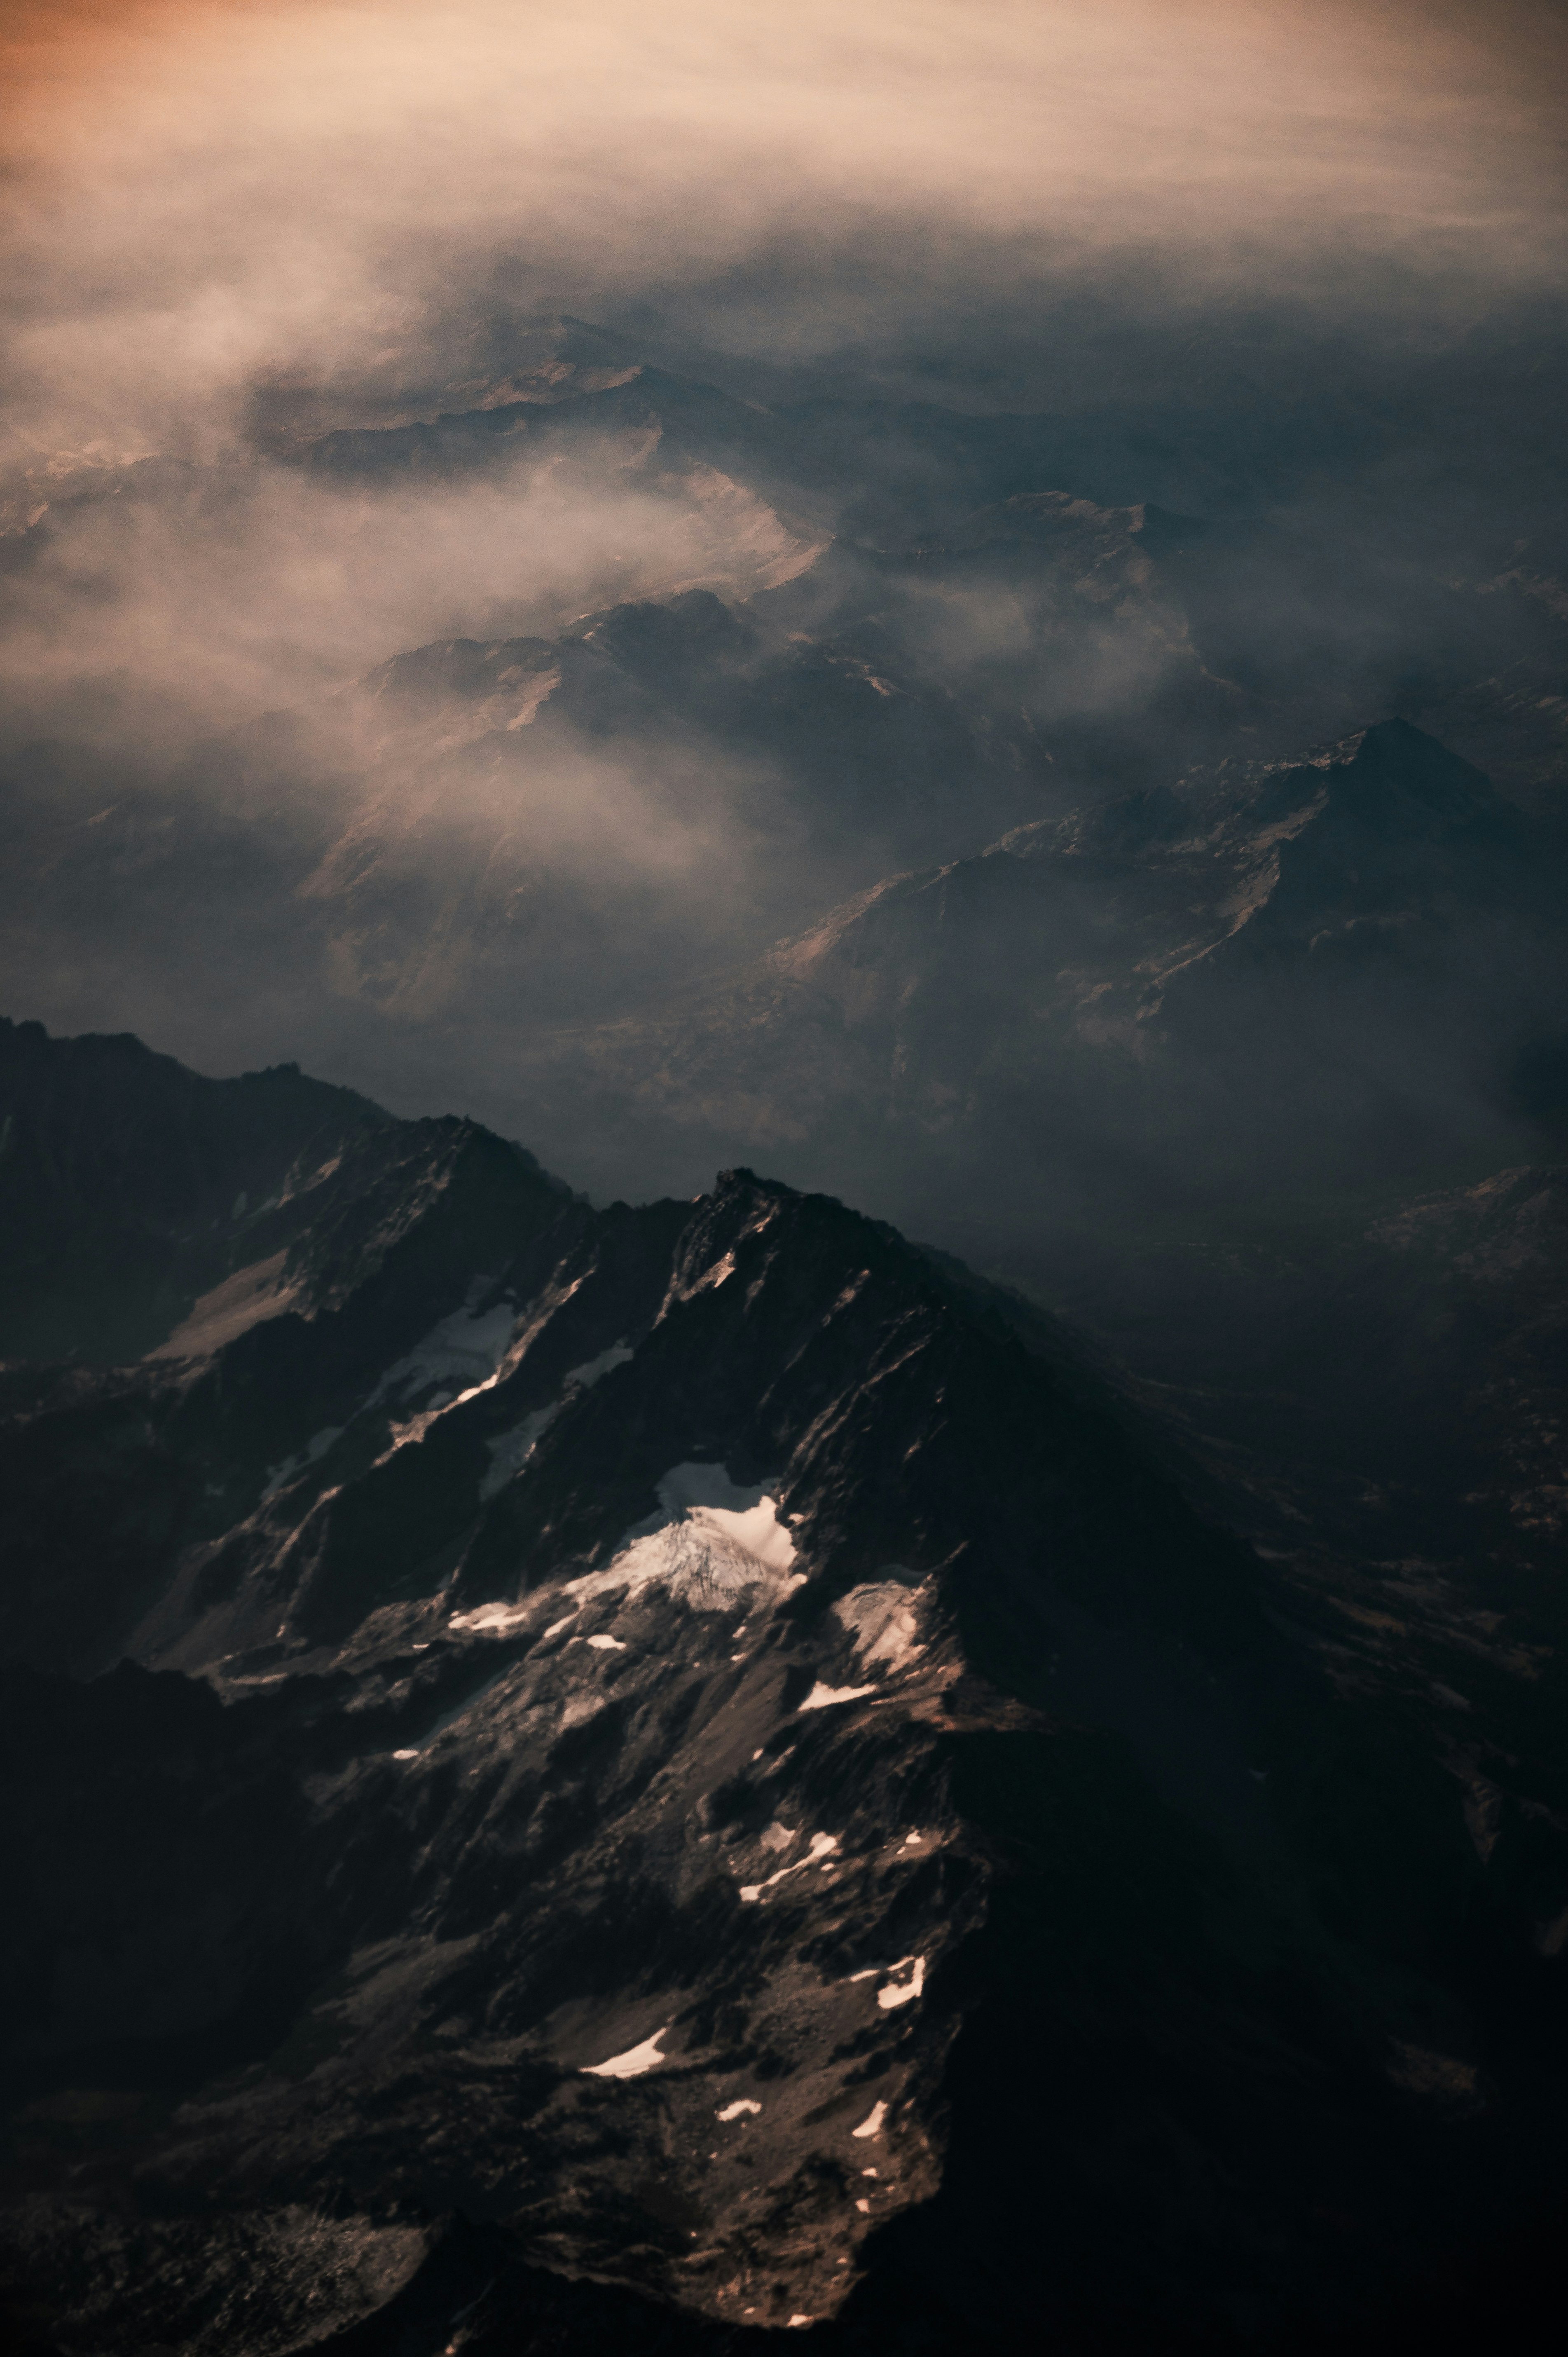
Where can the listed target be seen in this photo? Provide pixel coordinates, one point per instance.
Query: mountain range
(1342, 969)
(951, 1738)
(664, 1773)
(845, 642)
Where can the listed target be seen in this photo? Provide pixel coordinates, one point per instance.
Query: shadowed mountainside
(701, 1749)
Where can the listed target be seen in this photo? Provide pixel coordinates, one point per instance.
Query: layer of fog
(1295, 263)
(208, 193)
(236, 591)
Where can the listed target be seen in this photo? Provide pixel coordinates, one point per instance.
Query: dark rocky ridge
(126, 1183)
(473, 1605)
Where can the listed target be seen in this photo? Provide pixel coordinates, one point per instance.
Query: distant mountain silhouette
(1325, 971)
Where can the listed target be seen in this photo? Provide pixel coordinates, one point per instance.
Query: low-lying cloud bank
(762, 305)
(207, 195)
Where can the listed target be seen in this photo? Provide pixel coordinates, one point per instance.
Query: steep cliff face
(696, 1749)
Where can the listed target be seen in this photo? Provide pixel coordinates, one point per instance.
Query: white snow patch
(313, 1449)
(871, 2125)
(884, 1621)
(633, 2063)
(607, 1644)
(714, 1542)
(748, 1517)
(500, 1619)
(868, 2172)
(588, 1374)
(903, 1992)
(493, 1620)
(509, 1451)
(896, 1992)
(913, 1841)
(757, 1528)
(822, 1696)
(405, 1755)
(465, 1349)
(580, 1709)
(777, 1836)
(734, 2111)
(802, 2319)
(822, 1847)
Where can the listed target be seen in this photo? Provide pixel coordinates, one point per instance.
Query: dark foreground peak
(659, 1774)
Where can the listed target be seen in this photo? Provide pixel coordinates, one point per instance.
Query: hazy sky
(199, 193)
(210, 204)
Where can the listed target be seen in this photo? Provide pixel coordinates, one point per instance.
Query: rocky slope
(665, 1773)
(128, 1185)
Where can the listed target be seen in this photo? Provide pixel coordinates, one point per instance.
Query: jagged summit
(135, 1192)
(1394, 776)
(1111, 545)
